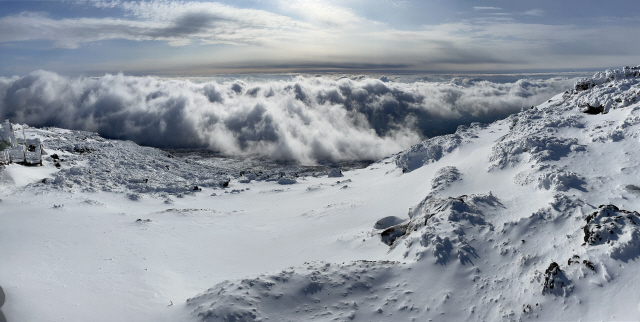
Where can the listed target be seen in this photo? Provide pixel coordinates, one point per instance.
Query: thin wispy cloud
(534, 12)
(176, 23)
(486, 8)
(322, 14)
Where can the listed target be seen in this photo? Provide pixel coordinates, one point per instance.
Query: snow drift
(303, 119)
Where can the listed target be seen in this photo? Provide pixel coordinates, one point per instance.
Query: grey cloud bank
(304, 119)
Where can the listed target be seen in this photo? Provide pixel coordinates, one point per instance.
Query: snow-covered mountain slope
(531, 217)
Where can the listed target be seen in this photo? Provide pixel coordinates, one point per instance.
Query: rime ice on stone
(604, 77)
(16, 148)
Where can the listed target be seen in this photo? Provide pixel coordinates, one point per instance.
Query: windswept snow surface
(533, 217)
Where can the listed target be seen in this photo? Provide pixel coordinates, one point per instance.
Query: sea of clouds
(305, 119)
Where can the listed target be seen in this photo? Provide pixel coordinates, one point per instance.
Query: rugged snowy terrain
(530, 217)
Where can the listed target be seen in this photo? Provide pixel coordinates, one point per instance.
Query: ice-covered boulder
(607, 76)
(433, 149)
(444, 177)
(440, 225)
(287, 180)
(538, 148)
(427, 152)
(387, 222)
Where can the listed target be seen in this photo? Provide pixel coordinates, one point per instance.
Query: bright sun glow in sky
(203, 38)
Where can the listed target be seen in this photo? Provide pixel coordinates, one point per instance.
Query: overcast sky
(377, 36)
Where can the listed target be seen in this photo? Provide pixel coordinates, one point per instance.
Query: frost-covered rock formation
(434, 149)
(617, 230)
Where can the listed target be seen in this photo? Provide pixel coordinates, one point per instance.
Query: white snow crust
(534, 217)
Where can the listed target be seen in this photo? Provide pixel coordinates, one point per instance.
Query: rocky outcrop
(615, 229)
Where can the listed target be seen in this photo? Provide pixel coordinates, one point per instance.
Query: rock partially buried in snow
(633, 188)
(440, 226)
(387, 222)
(335, 173)
(224, 183)
(287, 180)
(617, 230)
(134, 196)
(435, 148)
(444, 177)
(556, 282)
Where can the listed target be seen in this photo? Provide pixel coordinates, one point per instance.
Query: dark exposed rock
(390, 234)
(80, 149)
(589, 264)
(555, 281)
(594, 110)
(583, 86)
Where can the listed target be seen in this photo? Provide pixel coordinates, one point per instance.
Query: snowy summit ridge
(533, 217)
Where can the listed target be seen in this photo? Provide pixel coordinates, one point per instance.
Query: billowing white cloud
(304, 119)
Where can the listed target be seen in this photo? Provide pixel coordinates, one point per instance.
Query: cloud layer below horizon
(305, 119)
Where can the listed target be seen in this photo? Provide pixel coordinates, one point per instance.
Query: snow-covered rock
(615, 229)
(444, 177)
(287, 180)
(434, 149)
(335, 173)
(427, 151)
(439, 227)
